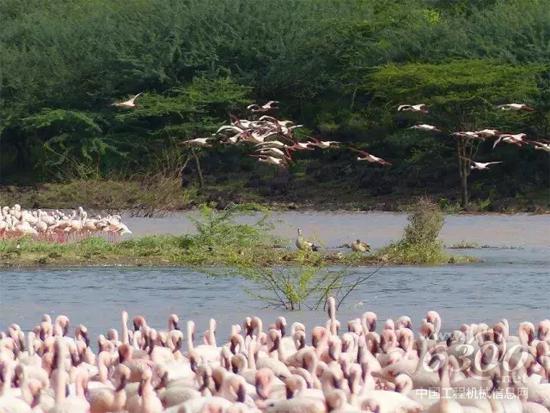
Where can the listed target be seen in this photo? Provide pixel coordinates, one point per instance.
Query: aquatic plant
(420, 243)
(298, 286)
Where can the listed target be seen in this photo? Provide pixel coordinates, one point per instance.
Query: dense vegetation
(338, 66)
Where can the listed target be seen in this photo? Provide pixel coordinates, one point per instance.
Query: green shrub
(420, 244)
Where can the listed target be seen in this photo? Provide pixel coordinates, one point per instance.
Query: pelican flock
(477, 368)
(57, 226)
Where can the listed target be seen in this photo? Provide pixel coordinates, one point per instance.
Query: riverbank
(150, 197)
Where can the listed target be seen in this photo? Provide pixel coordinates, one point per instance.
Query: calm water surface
(510, 282)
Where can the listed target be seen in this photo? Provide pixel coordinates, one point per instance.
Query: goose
(515, 107)
(365, 156)
(127, 104)
(303, 244)
(359, 246)
(421, 107)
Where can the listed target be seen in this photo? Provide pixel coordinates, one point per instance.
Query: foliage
(425, 223)
(339, 66)
(303, 286)
(420, 244)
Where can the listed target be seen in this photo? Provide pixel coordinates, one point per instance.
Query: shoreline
(149, 199)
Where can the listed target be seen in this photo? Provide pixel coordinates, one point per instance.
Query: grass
(153, 194)
(463, 245)
(160, 250)
(144, 196)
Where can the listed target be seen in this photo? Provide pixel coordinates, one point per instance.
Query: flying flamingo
(127, 104)
(421, 107)
(425, 127)
(323, 144)
(365, 156)
(481, 165)
(517, 139)
(541, 146)
(271, 105)
(515, 107)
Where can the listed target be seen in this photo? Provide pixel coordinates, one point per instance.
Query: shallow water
(378, 228)
(512, 283)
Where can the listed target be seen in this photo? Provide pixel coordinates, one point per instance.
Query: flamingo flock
(477, 368)
(518, 139)
(274, 140)
(57, 226)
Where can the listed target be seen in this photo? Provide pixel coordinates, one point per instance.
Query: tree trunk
(464, 191)
(199, 170)
(464, 170)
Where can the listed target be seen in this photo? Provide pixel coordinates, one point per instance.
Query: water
(378, 228)
(510, 282)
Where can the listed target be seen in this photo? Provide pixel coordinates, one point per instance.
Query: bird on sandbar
(305, 245)
(359, 246)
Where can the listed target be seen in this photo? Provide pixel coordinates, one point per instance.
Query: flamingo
(365, 156)
(481, 165)
(421, 107)
(517, 139)
(425, 127)
(515, 107)
(127, 104)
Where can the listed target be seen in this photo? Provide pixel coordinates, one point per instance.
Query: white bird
(487, 133)
(271, 160)
(517, 139)
(421, 107)
(271, 105)
(127, 104)
(541, 146)
(272, 144)
(481, 165)
(425, 127)
(273, 152)
(203, 142)
(365, 156)
(466, 134)
(515, 106)
(323, 144)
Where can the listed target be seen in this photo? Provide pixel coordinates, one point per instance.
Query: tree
(461, 96)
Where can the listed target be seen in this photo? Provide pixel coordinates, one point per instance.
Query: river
(512, 280)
